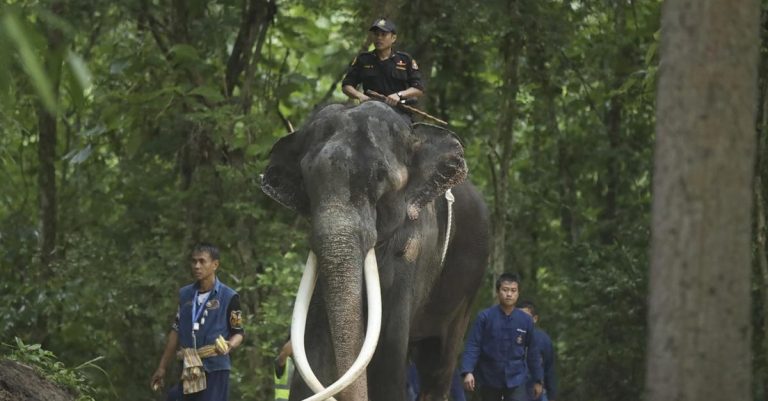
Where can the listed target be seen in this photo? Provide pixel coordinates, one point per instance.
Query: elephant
(372, 185)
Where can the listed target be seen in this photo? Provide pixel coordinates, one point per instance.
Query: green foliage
(46, 363)
(160, 145)
(19, 35)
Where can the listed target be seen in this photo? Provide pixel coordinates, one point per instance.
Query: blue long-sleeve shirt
(547, 351)
(501, 349)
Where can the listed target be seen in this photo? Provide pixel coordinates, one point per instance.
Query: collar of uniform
(501, 310)
(391, 55)
(215, 289)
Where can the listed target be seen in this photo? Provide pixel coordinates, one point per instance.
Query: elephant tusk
(299, 323)
(373, 288)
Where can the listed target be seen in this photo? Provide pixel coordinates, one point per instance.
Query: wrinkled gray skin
(366, 178)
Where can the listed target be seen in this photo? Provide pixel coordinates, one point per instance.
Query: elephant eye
(381, 174)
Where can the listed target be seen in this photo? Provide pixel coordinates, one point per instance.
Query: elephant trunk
(340, 263)
(341, 278)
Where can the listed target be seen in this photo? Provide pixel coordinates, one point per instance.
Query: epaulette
(404, 54)
(361, 56)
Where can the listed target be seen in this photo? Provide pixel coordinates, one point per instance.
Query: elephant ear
(437, 164)
(282, 180)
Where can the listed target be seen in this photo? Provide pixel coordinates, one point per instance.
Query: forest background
(131, 130)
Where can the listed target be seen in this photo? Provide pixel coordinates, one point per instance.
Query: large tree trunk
(699, 314)
(760, 342)
(760, 273)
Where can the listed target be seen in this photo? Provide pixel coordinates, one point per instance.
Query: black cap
(384, 25)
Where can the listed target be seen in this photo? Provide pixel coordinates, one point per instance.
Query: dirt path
(21, 383)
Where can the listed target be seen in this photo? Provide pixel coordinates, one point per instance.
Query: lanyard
(197, 313)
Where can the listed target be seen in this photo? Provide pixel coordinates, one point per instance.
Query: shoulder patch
(408, 59)
(236, 319)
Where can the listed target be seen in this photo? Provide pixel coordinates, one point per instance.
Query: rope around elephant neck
(450, 199)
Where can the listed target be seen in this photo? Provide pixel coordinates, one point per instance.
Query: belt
(203, 352)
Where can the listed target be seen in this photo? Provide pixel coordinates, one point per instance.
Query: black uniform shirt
(397, 73)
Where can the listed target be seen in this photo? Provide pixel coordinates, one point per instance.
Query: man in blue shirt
(207, 309)
(501, 349)
(547, 351)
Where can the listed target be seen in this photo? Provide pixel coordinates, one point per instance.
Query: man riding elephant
(394, 74)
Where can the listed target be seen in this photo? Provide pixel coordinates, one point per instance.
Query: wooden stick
(406, 107)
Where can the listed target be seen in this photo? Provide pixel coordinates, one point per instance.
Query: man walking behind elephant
(207, 310)
(501, 349)
(547, 351)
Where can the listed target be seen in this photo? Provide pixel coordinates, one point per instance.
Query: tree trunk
(416, 37)
(46, 151)
(699, 314)
(46, 180)
(760, 343)
(503, 139)
(760, 307)
(613, 126)
(546, 116)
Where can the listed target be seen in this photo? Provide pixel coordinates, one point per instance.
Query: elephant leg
(387, 371)
(436, 360)
(317, 343)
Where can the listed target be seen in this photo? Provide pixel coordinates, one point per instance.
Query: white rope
(448, 197)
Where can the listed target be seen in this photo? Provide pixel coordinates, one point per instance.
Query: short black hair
(508, 277)
(527, 304)
(211, 249)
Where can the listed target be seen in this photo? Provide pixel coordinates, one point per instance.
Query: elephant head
(358, 173)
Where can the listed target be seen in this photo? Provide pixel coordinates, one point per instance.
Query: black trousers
(519, 393)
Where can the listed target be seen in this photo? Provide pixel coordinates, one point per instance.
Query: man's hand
(537, 390)
(157, 380)
(393, 99)
(469, 382)
(224, 350)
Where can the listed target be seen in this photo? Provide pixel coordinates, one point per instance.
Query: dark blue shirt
(216, 319)
(547, 351)
(501, 349)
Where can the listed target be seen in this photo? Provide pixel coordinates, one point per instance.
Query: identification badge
(196, 326)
